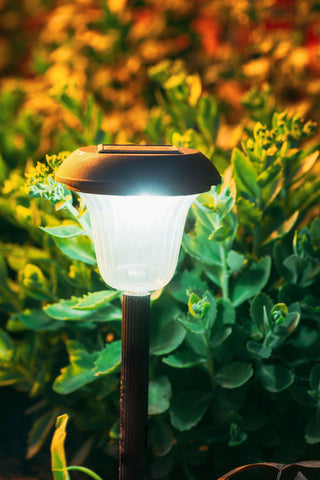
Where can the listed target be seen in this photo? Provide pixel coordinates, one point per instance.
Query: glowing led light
(137, 238)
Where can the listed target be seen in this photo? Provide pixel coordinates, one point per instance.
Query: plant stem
(85, 470)
(210, 364)
(224, 274)
(79, 219)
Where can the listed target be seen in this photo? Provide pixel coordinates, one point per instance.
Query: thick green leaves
(207, 117)
(166, 333)
(185, 283)
(188, 408)
(96, 300)
(235, 261)
(64, 231)
(203, 311)
(32, 320)
(315, 378)
(184, 359)
(85, 367)
(237, 436)
(80, 371)
(64, 310)
(312, 435)
(160, 433)
(11, 376)
(6, 346)
(275, 378)
(159, 395)
(35, 282)
(260, 312)
(77, 248)
(94, 306)
(250, 281)
(226, 313)
(259, 349)
(245, 175)
(201, 248)
(234, 375)
(109, 359)
(250, 212)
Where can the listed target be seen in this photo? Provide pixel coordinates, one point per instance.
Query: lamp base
(134, 387)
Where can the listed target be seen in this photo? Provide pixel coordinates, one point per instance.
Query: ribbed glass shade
(137, 238)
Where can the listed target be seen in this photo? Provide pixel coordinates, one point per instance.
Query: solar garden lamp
(138, 197)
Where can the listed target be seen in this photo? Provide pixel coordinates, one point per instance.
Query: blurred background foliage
(233, 79)
(106, 48)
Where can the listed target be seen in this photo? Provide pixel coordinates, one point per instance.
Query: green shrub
(234, 358)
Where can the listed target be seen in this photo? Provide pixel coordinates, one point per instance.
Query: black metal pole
(134, 387)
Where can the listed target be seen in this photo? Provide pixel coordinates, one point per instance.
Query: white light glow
(137, 238)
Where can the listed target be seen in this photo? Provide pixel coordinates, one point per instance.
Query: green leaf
(80, 371)
(283, 229)
(32, 320)
(3, 268)
(188, 408)
(275, 378)
(166, 333)
(18, 256)
(58, 456)
(184, 359)
(288, 324)
(159, 395)
(237, 436)
(65, 310)
(312, 435)
(207, 117)
(77, 248)
(315, 232)
(234, 375)
(186, 282)
(197, 344)
(250, 281)
(220, 336)
(221, 233)
(235, 260)
(280, 252)
(96, 300)
(203, 310)
(226, 314)
(11, 376)
(245, 175)
(192, 326)
(39, 431)
(198, 244)
(315, 379)
(269, 175)
(258, 349)
(260, 312)
(64, 231)
(108, 359)
(250, 213)
(161, 437)
(6, 346)
(35, 282)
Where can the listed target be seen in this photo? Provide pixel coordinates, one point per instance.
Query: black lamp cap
(137, 169)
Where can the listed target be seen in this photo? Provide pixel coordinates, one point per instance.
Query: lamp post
(138, 198)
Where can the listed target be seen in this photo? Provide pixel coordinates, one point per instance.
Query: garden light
(138, 198)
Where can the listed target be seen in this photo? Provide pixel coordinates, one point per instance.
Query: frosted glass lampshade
(137, 238)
